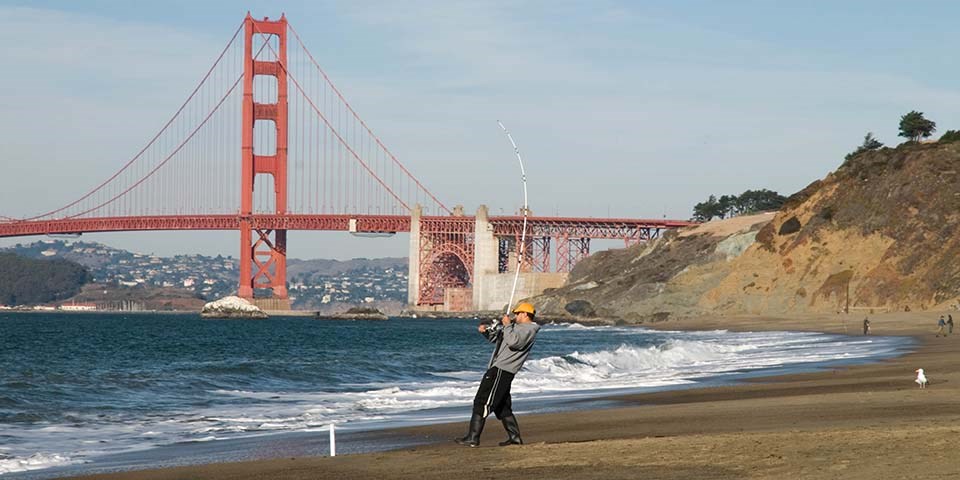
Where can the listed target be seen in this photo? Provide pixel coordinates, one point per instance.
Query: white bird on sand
(921, 378)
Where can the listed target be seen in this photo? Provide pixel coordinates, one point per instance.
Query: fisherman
(514, 341)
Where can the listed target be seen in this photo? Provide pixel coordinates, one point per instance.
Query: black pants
(494, 394)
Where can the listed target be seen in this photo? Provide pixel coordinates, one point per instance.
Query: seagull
(921, 378)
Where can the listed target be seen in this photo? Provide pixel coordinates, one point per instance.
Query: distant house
(78, 307)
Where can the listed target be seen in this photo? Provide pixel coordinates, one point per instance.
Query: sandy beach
(861, 422)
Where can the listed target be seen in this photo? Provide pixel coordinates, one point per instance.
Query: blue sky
(637, 109)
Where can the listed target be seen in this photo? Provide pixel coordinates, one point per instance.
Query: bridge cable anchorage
(153, 140)
(329, 126)
(172, 153)
(523, 232)
(364, 124)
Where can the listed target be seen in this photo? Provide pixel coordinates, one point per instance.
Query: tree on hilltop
(914, 126)
(869, 143)
(950, 136)
(705, 211)
(750, 201)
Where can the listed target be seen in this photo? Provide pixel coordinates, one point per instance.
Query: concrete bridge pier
(485, 257)
(478, 249)
(413, 269)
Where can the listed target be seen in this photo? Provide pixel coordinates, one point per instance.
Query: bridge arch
(447, 265)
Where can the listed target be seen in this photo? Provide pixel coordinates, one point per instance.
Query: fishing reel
(494, 328)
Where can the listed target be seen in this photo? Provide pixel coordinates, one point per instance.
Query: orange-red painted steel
(503, 226)
(268, 255)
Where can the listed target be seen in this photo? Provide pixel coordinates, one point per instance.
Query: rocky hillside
(655, 281)
(880, 233)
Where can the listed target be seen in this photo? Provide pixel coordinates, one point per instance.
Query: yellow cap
(526, 308)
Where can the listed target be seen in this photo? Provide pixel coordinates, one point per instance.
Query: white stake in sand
(333, 442)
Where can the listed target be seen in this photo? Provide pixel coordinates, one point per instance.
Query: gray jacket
(513, 346)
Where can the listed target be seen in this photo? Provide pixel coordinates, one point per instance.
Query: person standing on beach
(514, 341)
(866, 326)
(949, 324)
(940, 326)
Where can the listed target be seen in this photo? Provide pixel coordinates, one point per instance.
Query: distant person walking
(941, 325)
(866, 326)
(949, 324)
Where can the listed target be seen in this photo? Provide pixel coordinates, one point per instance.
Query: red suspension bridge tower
(263, 260)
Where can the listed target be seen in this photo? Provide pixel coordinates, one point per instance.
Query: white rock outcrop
(231, 307)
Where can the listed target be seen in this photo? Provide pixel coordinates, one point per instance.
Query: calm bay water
(77, 388)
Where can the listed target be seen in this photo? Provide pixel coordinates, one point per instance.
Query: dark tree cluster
(869, 143)
(950, 136)
(914, 126)
(750, 201)
(25, 281)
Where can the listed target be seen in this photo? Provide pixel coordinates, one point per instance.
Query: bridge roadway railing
(360, 223)
(582, 227)
(612, 228)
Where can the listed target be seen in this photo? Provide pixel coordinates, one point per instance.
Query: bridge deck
(508, 225)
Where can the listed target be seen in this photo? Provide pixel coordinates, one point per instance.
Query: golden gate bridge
(266, 114)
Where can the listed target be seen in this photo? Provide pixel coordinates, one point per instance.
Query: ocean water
(78, 388)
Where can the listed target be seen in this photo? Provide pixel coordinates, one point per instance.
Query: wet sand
(861, 422)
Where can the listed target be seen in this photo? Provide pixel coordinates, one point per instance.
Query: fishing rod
(523, 232)
(496, 325)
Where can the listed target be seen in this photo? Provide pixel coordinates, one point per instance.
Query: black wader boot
(473, 436)
(513, 431)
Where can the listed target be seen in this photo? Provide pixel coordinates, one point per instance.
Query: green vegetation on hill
(25, 281)
(750, 201)
(869, 143)
(915, 126)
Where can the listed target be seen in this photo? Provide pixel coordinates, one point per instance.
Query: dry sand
(862, 422)
(728, 226)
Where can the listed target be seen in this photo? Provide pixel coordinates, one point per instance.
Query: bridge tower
(263, 252)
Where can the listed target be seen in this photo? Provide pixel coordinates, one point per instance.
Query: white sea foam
(674, 361)
(34, 462)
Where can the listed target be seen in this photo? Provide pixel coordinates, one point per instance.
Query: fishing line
(523, 233)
